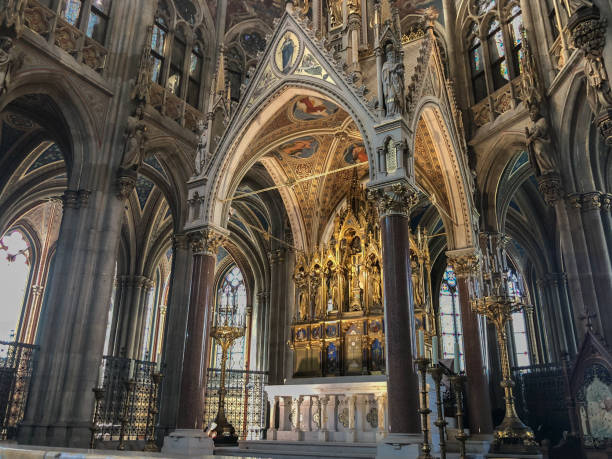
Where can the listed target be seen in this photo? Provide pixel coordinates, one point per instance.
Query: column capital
(180, 241)
(464, 261)
(206, 241)
(75, 199)
(591, 201)
(573, 201)
(396, 199)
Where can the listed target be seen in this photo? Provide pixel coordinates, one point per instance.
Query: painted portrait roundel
(287, 52)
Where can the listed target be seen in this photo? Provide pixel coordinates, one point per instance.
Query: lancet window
(241, 55)
(91, 16)
(519, 326)
(231, 302)
(177, 50)
(15, 262)
(493, 41)
(450, 317)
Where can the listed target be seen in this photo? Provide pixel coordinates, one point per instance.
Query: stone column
(73, 321)
(394, 204)
(175, 332)
(204, 245)
(351, 434)
(381, 408)
(189, 436)
(324, 419)
(464, 263)
(272, 430)
(599, 257)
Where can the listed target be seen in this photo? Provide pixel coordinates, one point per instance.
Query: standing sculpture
(201, 160)
(135, 138)
(393, 83)
(539, 144)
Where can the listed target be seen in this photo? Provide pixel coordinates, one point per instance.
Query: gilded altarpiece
(338, 328)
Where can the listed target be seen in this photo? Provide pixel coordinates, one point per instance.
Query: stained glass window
(231, 299)
(98, 20)
(483, 6)
(519, 327)
(72, 11)
(450, 316)
(195, 73)
(497, 54)
(158, 46)
(14, 276)
(516, 32)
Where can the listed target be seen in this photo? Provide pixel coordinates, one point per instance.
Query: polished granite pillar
(193, 381)
(394, 206)
(478, 407)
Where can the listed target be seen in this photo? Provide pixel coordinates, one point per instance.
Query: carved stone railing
(175, 108)
(64, 35)
(501, 101)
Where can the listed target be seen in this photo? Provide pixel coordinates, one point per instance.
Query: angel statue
(201, 158)
(393, 83)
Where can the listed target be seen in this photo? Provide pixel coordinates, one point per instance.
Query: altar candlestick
(434, 350)
(421, 344)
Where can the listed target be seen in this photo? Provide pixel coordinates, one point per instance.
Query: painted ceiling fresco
(311, 136)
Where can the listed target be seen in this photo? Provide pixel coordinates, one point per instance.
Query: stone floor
(13, 451)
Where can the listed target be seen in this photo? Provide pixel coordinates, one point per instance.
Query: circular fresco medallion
(287, 52)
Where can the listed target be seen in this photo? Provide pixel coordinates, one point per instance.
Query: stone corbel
(550, 187)
(125, 182)
(588, 31)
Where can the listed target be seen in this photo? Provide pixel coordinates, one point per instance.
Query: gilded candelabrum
(457, 383)
(422, 365)
(437, 372)
(225, 335)
(99, 393)
(152, 410)
(495, 296)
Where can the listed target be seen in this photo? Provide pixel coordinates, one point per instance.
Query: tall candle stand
(99, 393)
(225, 335)
(422, 364)
(152, 410)
(437, 372)
(457, 382)
(129, 386)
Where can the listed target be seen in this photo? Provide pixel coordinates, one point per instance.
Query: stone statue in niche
(133, 153)
(201, 160)
(393, 83)
(539, 143)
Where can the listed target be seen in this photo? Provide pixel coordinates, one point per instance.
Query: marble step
(294, 449)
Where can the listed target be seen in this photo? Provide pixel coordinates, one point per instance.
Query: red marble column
(477, 387)
(402, 382)
(193, 378)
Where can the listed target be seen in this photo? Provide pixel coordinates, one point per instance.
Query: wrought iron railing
(245, 401)
(541, 401)
(16, 361)
(116, 395)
